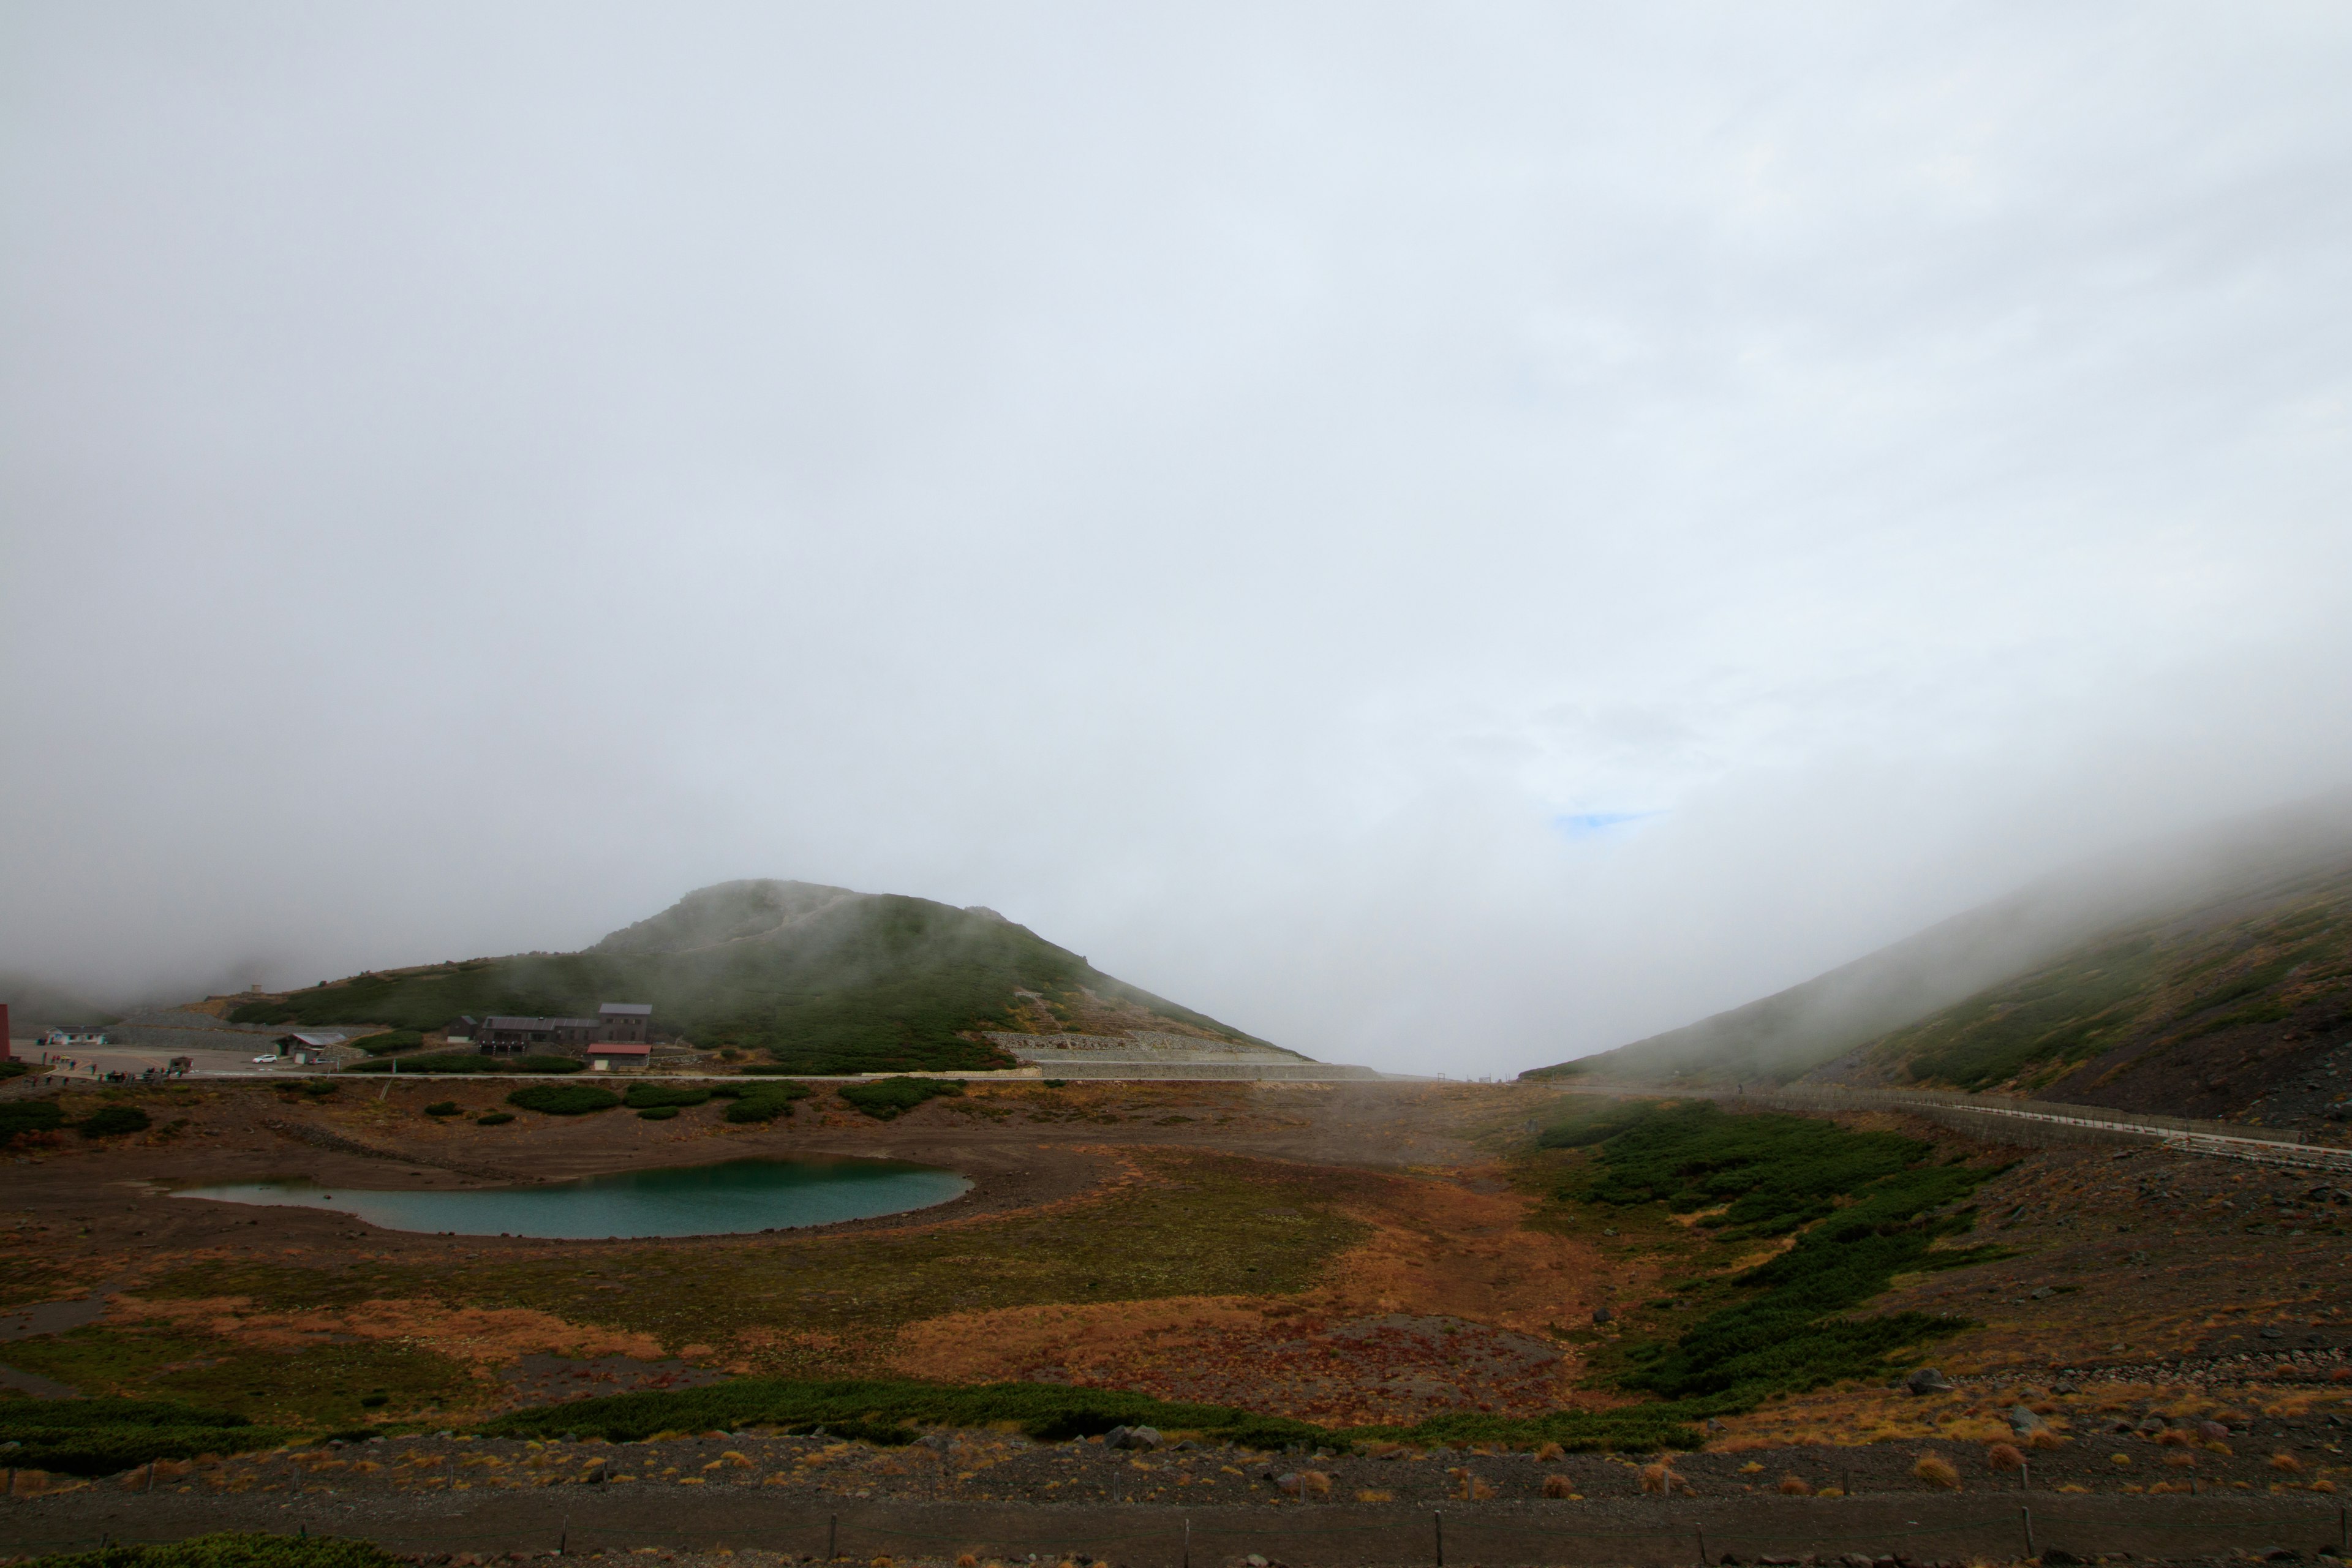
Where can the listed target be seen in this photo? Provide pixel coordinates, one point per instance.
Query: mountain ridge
(813, 978)
(2032, 992)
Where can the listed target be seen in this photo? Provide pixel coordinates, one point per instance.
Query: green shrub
(563, 1099)
(494, 1118)
(9, 1069)
(645, 1095)
(236, 1550)
(467, 1062)
(657, 1113)
(1860, 1202)
(763, 1102)
(113, 1122)
(390, 1041)
(889, 1097)
(442, 1107)
(103, 1436)
(1049, 1412)
(22, 1116)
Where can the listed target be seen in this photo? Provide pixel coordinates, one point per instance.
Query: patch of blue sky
(1577, 825)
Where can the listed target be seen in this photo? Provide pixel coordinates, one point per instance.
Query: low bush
(646, 1095)
(889, 1097)
(113, 1122)
(467, 1062)
(563, 1099)
(102, 1437)
(1049, 1412)
(238, 1549)
(388, 1041)
(1867, 1207)
(494, 1118)
(9, 1069)
(761, 1102)
(18, 1117)
(657, 1113)
(2005, 1457)
(442, 1107)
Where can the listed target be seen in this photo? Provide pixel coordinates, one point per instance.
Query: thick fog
(1448, 537)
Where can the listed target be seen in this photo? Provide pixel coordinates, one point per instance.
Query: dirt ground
(1348, 1254)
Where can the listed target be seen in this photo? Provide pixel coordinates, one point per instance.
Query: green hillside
(822, 980)
(2217, 1011)
(2225, 993)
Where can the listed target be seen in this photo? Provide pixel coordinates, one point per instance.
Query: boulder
(1928, 1380)
(2024, 1422)
(1145, 1438)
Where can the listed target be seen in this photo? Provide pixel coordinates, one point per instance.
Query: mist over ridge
(1457, 541)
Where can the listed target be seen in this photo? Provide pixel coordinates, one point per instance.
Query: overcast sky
(1448, 536)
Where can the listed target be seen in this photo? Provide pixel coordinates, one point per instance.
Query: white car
(259, 1060)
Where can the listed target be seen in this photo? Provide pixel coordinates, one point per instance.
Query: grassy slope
(844, 983)
(2191, 1015)
(2215, 985)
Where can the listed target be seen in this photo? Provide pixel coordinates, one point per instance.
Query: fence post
(1702, 1545)
(1188, 1541)
(2025, 1475)
(2025, 1519)
(151, 1477)
(1438, 1515)
(831, 1535)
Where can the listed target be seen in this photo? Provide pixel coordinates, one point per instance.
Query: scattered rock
(1928, 1380)
(2042, 1292)
(1601, 1314)
(1145, 1438)
(2022, 1421)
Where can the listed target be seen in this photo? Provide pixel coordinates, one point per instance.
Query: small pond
(728, 1199)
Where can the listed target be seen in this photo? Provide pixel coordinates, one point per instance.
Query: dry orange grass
(1559, 1486)
(1795, 1486)
(1373, 1494)
(1937, 1471)
(2283, 1460)
(1551, 1451)
(2005, 1457)
(1660, 1481)
(2044, 1438)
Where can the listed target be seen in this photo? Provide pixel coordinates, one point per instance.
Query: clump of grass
(442, 1107)
(563, 1099)
(1553, 1487)
(1660, 1480)
(2005, 1457)
(657, 1113)
(1937, 1471)
(1795, 1486)
(887, 1097)
(2288, 1462)
(494, 1118)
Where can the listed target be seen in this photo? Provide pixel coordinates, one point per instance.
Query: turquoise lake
(729, 1199)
